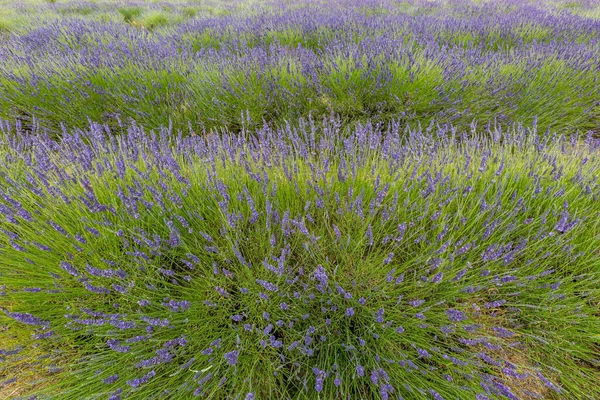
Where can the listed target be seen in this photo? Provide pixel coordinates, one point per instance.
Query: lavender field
(348, 199)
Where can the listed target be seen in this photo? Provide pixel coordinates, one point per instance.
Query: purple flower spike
(111, 379)
(232, 357)
(69, 268)
(26, 318)
(360, 370)
(547, 382)
(140, 381)
(455, 315)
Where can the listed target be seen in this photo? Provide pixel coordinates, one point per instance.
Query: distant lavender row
(413, 60)
(301, 262)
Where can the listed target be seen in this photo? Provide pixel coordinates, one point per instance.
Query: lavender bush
(302, 262)
(203, 64)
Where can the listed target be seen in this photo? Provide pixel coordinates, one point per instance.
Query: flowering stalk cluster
(296, 263)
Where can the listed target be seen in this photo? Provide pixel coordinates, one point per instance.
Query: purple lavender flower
(505, 390)
(207, 352)
(337, 381)
(416, 303)
(26, 318)
(116, 394)
(58, 228)
(494, 304)
(268, 329)
(111, 379)
(123, 324)
(319, 381)
(360, 370)
(388, 259)
(177, 306)
(136, 339)
(69, 268)
(423, 353)
(456, 315)
(321, 276)
(119, 288)
(115, 345)
(379, 315)
(155, 321)
(375, 377)
(140, 381)
(502, 332)
(547, 382)
(43, 335)
(96, 289)
(268, 285)
(104, 273)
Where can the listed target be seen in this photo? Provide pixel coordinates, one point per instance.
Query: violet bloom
(319, 381)
(456, 315)
(423, 353)
(26, 318)
(547, 382)
(321, 276)
(111, 379)
(502, 332)
(268, 285)
(232, 357)
(69, 268)
(360, 370)
(140, 381)
(494, 304)
(115, 345)
(337, 381)
(44, 335)
(379, 315)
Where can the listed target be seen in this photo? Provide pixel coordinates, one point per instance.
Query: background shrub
(417, 61)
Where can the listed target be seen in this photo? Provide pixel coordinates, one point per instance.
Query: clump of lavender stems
(376, 262)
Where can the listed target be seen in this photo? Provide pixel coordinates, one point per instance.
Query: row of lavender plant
(301, 262)
(416, 60)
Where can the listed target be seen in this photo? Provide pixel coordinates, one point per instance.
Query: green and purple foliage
(205, 63)
(302, 262)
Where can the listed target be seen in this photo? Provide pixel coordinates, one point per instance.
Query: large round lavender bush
(301, 263)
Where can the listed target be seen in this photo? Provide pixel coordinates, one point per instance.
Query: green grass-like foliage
(301, 263)
(130, 13)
